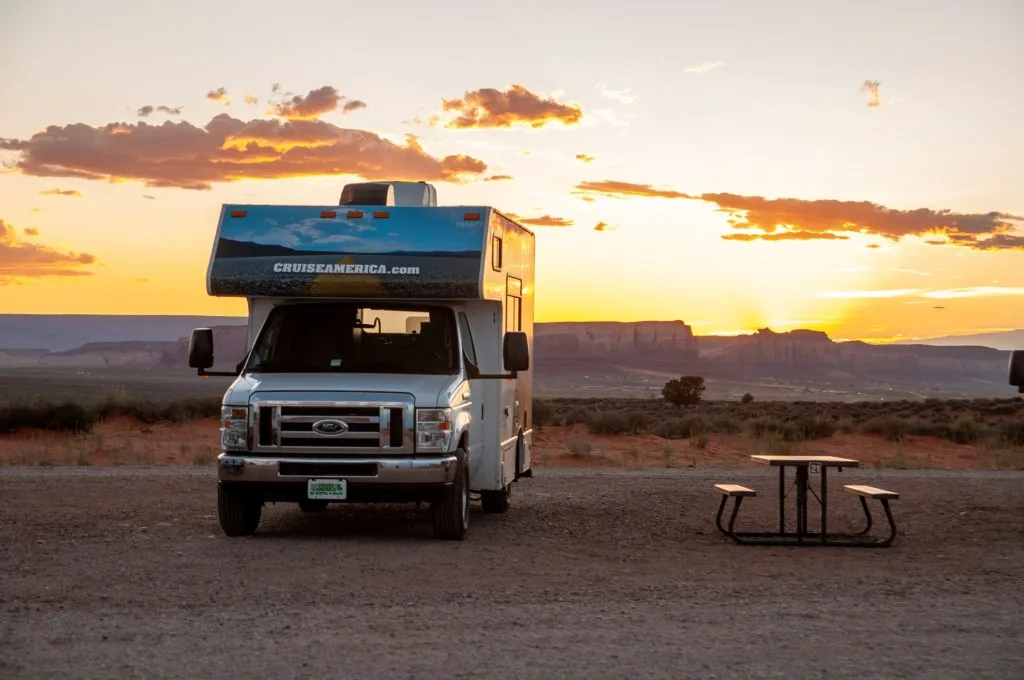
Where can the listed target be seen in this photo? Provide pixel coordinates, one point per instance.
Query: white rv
(388, 355)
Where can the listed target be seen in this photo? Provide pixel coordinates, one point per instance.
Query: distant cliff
(612, 348)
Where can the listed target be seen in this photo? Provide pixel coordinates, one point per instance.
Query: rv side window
(496, 253)
(467, 339)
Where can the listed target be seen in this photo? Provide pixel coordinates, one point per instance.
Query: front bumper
(420, 471)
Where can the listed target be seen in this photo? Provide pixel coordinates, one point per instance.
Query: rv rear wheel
(496, 501)
(239, 515)
(451, 509)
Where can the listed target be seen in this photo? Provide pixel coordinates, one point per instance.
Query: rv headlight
(433, 429)
(234, 428)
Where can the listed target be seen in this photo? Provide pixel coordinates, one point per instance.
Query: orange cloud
(61, 192)
(614, 189)
(31, 231)
(498, 178)
(795, 219)
(784, 236)
(829, 219)
(491, 108)
(542, 221)
(219, 95)
(145, 111)
(871, 87)
(179, 154)
(318, 102)
(24, 260)
(584, 158)
(604, 226)
(251, 99)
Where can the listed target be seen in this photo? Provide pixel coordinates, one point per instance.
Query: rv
(1017, 369)
(388, 355)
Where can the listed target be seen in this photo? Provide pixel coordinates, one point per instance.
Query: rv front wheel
(239, 515)
(496, 501)
(451, 509)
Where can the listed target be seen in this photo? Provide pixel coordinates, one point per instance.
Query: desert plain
(608, 563)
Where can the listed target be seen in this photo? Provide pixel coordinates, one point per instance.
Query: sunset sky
(855, 169)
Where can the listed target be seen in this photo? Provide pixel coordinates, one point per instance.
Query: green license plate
(327, 489)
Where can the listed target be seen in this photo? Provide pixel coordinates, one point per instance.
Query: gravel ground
(123, 572)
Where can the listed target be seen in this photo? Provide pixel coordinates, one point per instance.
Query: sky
(850, 167)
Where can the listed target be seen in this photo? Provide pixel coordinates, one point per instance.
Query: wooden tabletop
(832, 461)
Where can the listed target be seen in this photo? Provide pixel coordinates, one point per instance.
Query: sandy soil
(123, 572)
(129, 441)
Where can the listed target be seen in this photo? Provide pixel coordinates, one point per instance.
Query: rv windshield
(353, 338)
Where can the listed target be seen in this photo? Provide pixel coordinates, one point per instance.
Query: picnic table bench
(805, 465)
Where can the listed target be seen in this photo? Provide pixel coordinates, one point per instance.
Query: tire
(451, 510)
(309, 505)
(239, 515)
(496, 501)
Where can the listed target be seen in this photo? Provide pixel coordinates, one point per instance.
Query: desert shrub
(66, 416)
(760, 427)
(701, 440)
(578, 447)
(747, 398)
(639, 421)
(1012, 431)
(542, 413)
(681, 428)
(892, 428)
(814, 427)
(724, 424)
(684, 391)
(966, 430)
(610, 422)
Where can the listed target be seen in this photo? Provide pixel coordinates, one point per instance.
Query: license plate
(327, 489)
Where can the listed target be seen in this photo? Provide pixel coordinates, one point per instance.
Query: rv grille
(287, 429)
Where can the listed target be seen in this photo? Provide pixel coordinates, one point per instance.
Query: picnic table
(805, 466)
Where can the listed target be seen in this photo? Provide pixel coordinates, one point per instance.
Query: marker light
(354, 213)
(380, 215)
(238, 213)
(328, 214)
(472, 216)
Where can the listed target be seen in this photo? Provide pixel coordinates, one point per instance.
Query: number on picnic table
(815, 468)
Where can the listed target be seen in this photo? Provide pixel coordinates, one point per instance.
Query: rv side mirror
(200, 349)
(516, 352)
(1017, 369)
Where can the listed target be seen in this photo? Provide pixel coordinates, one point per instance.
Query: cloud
(31, 231)
(20, 260)
(179, 154)
(936, 294)
(866, 294)
(908, 271)
(622, 96)
(61, 192)
(152, 198)
(704, 67)
(584, 158)
(795, 219)
(498, 178)
(491, 108)
(314, 104)
(145, 111)
(615, 189)
(252, 100)
(871, 87)
(219, 95)
(604, 226)
(542, 221)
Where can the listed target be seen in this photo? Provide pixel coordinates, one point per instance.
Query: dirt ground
(127, 441)
(109, 572)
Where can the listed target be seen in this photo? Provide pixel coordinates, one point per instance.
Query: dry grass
(997, 423)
